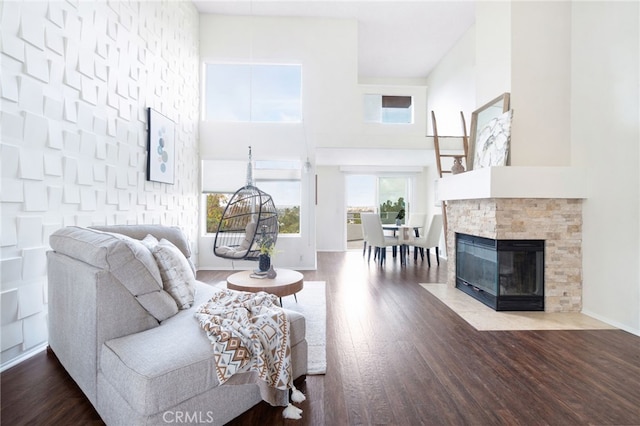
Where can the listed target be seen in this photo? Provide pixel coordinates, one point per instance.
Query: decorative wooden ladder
(456, 156)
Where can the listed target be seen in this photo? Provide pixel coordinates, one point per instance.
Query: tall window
(253, 93)
(286, 197)
(280, 179)
(388, 109)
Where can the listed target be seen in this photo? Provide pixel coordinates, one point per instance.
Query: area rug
(312, 304)
(483, 318)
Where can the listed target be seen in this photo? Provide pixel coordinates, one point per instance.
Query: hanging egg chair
(249, 216)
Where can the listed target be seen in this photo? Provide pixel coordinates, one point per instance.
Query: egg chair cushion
(240, 251)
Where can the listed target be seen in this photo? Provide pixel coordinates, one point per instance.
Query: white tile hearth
(483, 318)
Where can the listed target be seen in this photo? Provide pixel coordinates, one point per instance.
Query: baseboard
(612, 323)
(25, 356)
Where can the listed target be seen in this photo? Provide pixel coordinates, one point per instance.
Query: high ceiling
(397, 39)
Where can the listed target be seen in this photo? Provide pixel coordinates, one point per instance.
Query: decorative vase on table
(264, 262)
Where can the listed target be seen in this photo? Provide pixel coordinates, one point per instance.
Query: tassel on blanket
(292, 412)
(296, 395)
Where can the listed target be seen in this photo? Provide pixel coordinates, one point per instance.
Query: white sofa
(121, 337)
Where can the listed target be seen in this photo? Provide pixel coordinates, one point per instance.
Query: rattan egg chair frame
(250, 214)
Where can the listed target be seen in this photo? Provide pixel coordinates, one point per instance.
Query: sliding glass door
(393, 193)
(387, 195)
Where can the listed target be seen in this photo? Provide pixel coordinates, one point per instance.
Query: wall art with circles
(161, 148)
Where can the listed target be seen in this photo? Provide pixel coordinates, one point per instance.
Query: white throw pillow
(150, 242)
(177, 276)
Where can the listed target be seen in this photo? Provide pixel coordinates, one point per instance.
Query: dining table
(404, 248)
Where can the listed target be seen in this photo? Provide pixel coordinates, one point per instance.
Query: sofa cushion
(171, 233)
(177, 277)
(127, 259)
(158, 368)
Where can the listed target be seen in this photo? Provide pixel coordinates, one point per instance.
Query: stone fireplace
(478, 205)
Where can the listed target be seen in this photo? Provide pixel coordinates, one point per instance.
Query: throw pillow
(177, 277)
(150, 242)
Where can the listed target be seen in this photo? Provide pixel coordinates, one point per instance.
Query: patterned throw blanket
(249, 332)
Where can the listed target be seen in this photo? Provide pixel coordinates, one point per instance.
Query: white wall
(541, 83)
(596, 98)
(77, 78)
(605, 129)
(493, 50)
(331, 219)
(333, 118)
(451, 87)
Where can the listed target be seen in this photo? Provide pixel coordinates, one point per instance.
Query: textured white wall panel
(10, 158)
(35, 196)
(53, 108)
(77, 79)
(8, 235)
(37, 64)
(55, 199)
(12, 126)
(12, 190)
(11, 335)
(9, 306)
(35, 130)
(29, 231)
(9, 86)
(52, 164)
(34, 263)
(34, 329)
(31, 95)
(31, 164)
(29, 300)
(11, 272)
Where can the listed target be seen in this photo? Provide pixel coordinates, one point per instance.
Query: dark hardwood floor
(397, 356)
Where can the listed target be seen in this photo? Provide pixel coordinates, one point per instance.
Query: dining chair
(365, 240)
(372, 228)
(417, 221)
(431, 239)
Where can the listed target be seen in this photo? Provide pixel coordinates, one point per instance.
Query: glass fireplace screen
(501, 270)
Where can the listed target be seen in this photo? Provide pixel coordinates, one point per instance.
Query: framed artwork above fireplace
(486, 121)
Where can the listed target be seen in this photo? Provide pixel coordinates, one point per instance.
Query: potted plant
(267, 247)
(400, 217)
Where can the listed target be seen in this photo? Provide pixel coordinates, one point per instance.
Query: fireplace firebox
(506, 275)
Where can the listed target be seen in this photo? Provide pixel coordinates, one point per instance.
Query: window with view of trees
(216, 204)
(279, 179)
(288, 208)
(385, 195)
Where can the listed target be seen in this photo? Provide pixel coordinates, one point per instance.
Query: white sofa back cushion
(127, 259)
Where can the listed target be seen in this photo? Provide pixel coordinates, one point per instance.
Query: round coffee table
(286, 283)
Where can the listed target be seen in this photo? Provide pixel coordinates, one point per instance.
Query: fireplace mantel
(514, 182)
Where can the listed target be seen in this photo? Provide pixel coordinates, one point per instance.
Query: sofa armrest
(88, 306)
